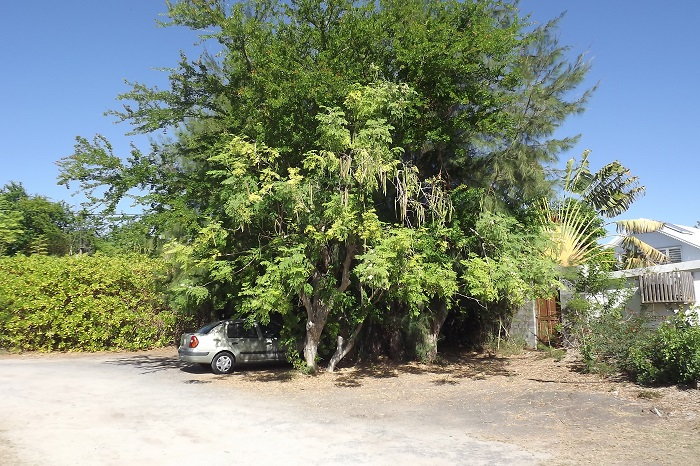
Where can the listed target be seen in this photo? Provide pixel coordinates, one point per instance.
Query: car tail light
(194, 341)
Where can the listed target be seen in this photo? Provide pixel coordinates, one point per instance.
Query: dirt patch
(538, 403)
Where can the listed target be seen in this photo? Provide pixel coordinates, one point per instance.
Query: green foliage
(285, 277)
(595, 320)
(670, 355)
(610, 191)
(613, 340)
(664, 355)
(574, 220)
(318, 156)
(34, 224)
(488, 91)
(10, 225)
(609, 339)
(409, 266)
(128, 236)
(311, 220)
(86, 303)
(508, 262)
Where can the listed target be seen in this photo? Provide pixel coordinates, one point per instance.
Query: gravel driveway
(114, 410)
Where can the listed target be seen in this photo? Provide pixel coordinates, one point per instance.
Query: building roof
(682, 233)
(677, 266)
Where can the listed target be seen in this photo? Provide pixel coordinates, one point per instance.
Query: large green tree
(316, 150)
(312, 221)
(491, 89)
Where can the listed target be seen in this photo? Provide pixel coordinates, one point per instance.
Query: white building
(660, 290)
(664, 289)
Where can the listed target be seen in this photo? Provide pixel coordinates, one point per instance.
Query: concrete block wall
(524, 324)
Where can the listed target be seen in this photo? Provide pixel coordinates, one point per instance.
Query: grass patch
(506, 346)
(602, 368)
(649, 394)
(548, 352)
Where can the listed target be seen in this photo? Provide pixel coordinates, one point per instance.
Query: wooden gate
(548, 319)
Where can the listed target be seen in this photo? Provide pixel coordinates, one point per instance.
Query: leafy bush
(87, 303)
(664, 355)
(606, 345)
(670, 355)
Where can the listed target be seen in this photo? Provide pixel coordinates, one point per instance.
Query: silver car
(224, 344)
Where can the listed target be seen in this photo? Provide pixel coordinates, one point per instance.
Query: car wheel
(223, 363)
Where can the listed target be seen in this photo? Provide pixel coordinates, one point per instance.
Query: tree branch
(343, 349)
(306, 302)
(347, 262)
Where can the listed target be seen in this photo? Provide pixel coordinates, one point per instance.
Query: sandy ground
(469, 409)
(535, 402)
(145, 409)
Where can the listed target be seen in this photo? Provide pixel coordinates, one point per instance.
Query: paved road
(125, 410)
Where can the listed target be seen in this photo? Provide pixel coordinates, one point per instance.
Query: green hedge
(86, 303)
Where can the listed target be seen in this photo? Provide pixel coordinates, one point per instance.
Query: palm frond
(572, 233)
(638, 226)
(610, 191)
(613, 190)
(640, 254)
(578, 177)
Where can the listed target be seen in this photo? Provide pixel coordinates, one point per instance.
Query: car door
(246, 342)
(271, 337)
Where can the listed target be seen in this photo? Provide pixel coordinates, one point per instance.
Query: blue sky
(64, 62)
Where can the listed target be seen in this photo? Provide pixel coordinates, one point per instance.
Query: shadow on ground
(448, 370)
(278, 372)
(151, 364)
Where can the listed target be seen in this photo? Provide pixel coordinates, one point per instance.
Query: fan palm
(608, 192)
(573, 230)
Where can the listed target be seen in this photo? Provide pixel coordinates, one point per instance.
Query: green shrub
(670, 355)
(609, 338)
(87, 303)
(665, 355)
(612, 341)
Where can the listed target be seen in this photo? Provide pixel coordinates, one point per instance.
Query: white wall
(659, 240)
(660, 311)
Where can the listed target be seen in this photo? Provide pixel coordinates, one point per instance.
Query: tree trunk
(317, 314)
(313, 338)
(394, 333)
(317, 309)
(344, 347)
(430, 340)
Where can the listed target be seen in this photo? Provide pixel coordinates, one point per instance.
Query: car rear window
(209, 327)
